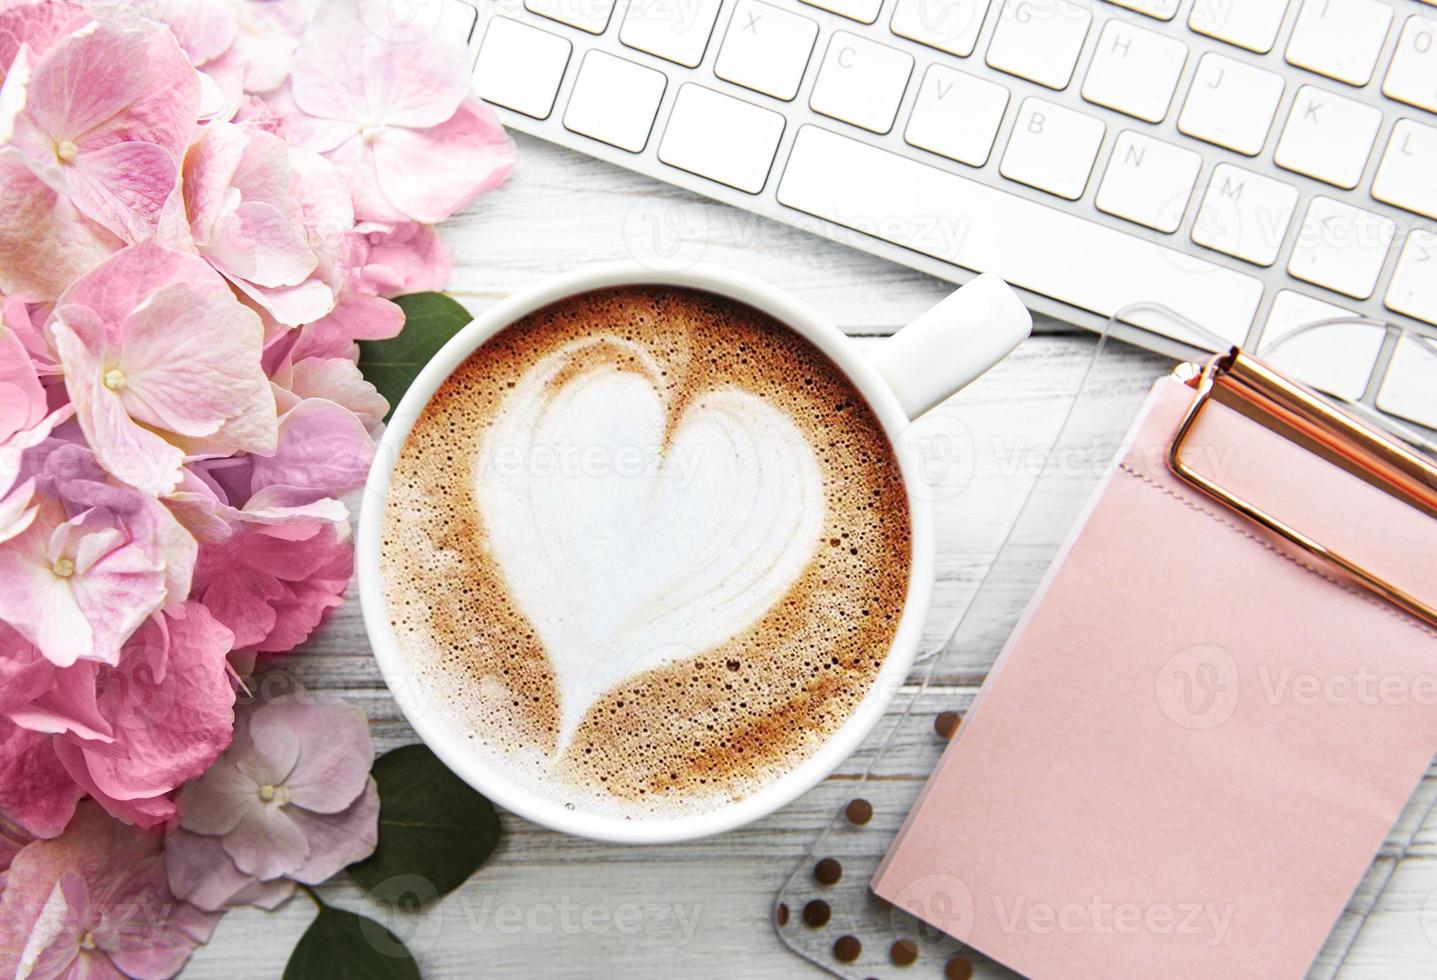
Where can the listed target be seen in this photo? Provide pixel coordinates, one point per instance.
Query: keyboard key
(1039, 40)
(1135, 71)
(1148, 181)
(1340, 38)
(948, 25)
(1407, 176)
(675, 30)
(614, 101)
(1410, 387)
(1057, 254)
(861, 82)
(1052, 148)
(1231, 104)
(864, 11)
(956, 115)
(1161, 9)
(1341, 247)
(519, 67)
(1244, 214)
(586, 15)
(721, 138)
(1328, 137)
(766, 49)
(1337, 359)
(1412, 77)
(1251, 24)
(1413, 289)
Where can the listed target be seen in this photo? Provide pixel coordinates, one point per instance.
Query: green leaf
(434, 830)
(340, 945)
(391, 365)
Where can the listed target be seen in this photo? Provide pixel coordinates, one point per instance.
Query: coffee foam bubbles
(649, 547)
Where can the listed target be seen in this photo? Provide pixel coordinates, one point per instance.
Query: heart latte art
(648, 547)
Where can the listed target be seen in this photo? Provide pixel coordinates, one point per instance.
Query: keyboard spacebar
(1039, 248)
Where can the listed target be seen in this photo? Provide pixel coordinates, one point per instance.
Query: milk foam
(631, 539)
(647, 548)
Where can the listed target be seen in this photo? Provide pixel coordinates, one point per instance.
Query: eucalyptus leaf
(340, 945)
(434, 830)
(430, 319)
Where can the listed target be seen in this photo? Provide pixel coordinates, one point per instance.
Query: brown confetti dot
(858, 812)
(957, 968)
(827, 871)
(817, 913)
(847, 949)
(780, 914)
(903, 952)
(946, 723)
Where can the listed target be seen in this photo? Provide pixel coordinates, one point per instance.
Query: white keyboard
(1249, 163)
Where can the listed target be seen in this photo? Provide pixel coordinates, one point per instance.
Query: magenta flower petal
(35, 791)
(140, 812)
(338, 840)
(170, 704)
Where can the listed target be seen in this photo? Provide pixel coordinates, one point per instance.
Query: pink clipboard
(1208, 807)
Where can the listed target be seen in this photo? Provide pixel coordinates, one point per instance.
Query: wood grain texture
(547, 905)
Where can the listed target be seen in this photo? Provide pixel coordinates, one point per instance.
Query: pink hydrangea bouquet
(204, 205)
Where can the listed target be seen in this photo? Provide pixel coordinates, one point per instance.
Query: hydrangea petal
(321, 447)
(170, 702)
(406, 84)
(201, 873)
(338, 840)
(266, 843)
(35, 791)
(427, 175)
(45, 242)
(123, 187)
(334, 750)
(190, 360)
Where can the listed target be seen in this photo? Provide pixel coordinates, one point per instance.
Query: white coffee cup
(920, 366)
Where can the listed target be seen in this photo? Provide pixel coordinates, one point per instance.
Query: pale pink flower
(391, 260)
(25, 421)
(329, 379)
(91, 135)
(246, 218)
(161, 360)
(169, 706)
(36, 24)
(268, 32)
(395, 116)
(96, 560)
(95, 902)
(292, 797)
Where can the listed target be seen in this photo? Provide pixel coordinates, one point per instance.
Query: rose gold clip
(1246, 385)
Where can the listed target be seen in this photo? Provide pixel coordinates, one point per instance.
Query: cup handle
(943, 350)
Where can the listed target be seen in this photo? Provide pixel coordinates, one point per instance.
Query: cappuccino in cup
(647, 548)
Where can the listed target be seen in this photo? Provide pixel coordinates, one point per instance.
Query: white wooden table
(547, 905)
